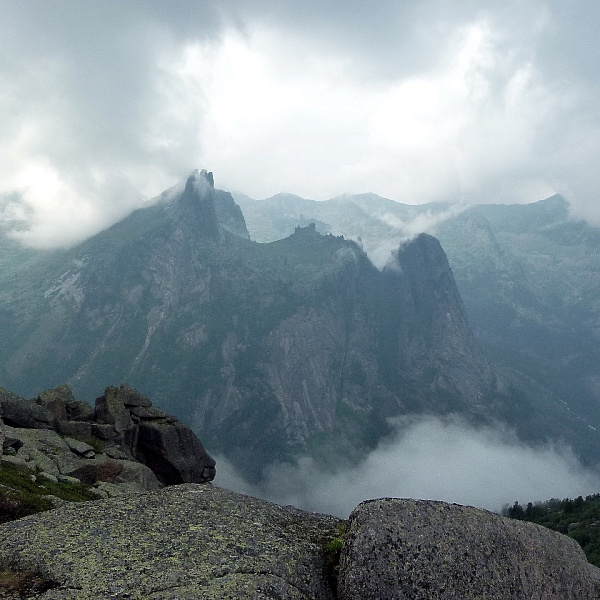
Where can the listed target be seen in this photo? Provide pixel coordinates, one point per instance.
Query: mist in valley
(428, 458)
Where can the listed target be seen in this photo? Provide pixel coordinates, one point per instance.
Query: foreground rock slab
(186, 541)
(425, 550)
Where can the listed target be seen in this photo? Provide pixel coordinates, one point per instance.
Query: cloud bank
(429, 458)
(104, 105)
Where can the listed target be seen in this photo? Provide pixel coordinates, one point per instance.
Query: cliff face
(269, 350)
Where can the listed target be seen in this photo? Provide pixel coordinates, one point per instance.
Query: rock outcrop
(200, 541)
(421, 550)
(124, 444)
(188, 541)
(18, 412)
(160, 441)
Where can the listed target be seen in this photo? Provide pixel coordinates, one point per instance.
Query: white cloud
(429, 458)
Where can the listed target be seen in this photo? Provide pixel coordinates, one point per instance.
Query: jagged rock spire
(196, 205)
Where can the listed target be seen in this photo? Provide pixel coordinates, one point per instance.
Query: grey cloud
(91, 89)
(82, 92)
(556, 40)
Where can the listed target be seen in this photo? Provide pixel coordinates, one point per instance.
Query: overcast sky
(103, 103)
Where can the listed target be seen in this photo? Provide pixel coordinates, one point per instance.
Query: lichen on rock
(188, 541)
(425, 550)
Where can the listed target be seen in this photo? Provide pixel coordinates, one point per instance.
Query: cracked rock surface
(427, 550)
(186, 541)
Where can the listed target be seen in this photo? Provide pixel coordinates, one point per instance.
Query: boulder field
(122, 444)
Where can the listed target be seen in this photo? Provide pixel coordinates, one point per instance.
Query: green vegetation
(20, 496)
(332, 550)
(578, 518)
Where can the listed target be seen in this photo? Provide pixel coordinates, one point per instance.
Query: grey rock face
(230, 214)
(2, 436)
(424, 550)
(130, 397)
(80, 448)
(104, 469)
(167, 446)
(18, 412)
(173, 452)
(62, 404)
(197, 206)
(57, 400)
(437, 335)
(189, 541)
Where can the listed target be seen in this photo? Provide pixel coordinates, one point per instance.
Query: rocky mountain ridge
(527, 275)
(268, 350)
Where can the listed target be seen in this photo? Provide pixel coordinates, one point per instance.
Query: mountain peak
(196, 205)
(200, 178)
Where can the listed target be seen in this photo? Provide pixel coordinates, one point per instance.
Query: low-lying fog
(429, 458)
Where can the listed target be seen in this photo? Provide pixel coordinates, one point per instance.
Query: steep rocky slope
(269, 350)
(528, 277)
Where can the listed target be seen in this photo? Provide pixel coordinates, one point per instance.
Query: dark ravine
(269, 351)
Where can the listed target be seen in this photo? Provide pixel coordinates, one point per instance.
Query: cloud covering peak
(105, 104)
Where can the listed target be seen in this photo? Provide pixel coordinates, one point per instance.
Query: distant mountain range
(528, 275)
(301, 345)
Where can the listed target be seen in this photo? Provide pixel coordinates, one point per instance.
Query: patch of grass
(331, 553)
(71, 492)
(20, 496)
(97, 444)
(15, 504)
(334, 546)
(23, 584)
